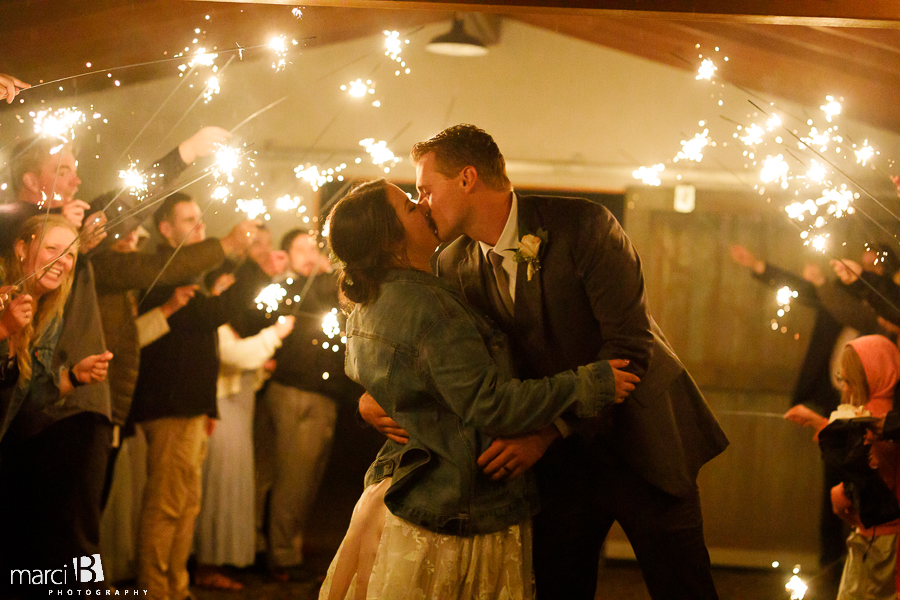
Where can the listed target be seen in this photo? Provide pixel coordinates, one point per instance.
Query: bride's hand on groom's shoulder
(372, 413)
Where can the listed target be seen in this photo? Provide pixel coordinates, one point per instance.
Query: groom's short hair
(461, 146)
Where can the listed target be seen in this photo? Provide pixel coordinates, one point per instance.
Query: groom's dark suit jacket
(587, 303)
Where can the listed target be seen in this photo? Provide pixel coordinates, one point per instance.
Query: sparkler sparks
(774, 169)
(59, 123)
(279, 45)
(227, 160)
(393, 48)
(270, 297)
(864, 154)
(649, 175)
(819, 242)
(358, 89)
(773, 122)
(212, 88)
(784, 295)
(287, 203)
(831, 108)
(817, 139)
(330, 325)
(135, 181)
(692, 149)
(253, 207)
(379, 152)
(706, 70)
(796, 586)
(311, 175)
(817, 171)
(754, 135)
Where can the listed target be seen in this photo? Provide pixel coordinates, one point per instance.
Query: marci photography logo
(85, 569)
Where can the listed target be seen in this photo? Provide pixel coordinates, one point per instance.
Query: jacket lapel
(471, 281)
(529, 312)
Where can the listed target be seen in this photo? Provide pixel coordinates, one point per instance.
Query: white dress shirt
(506, 246)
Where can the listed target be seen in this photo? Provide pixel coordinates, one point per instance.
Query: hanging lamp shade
(457, 42)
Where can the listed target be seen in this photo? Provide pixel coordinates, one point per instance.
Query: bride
(430, 524)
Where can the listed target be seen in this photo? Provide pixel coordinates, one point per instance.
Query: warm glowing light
(286, 203)
(330, 324)
(59, 123)
(135, 181)
(253, 207)
(754, 135)
(796, 587)
(784, 295)
(269, 297)
(819, 242)
(864, 154)
(773, 122)
(379, 151)
(311, 175)
(831, 108)
(279, 45)
(227, 160)
(358, 89)
(212, 88)
(649, 175)
(706, 70)
(817, 171)
(774, 169)
(692, 149)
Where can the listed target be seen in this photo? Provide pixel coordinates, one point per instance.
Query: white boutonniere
(529, 251)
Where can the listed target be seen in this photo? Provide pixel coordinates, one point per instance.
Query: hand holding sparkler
(203, 143)
(73, 211)
(180, 297)
(238, 241)
(745, 258)
(284, 326)
(93, 232)
(222, 283)
(847, 270)
(806, 417)
(17, 315)
(10, 86)
(813, 274)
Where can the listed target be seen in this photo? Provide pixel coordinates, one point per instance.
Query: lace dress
(402, 561)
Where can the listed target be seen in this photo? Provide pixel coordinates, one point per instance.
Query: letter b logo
(90, 569)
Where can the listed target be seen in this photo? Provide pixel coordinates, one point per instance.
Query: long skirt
(385, 557)
(225, 531)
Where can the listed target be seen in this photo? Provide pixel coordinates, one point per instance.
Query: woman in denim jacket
(444, 374)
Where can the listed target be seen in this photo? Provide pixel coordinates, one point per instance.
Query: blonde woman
(42, 263)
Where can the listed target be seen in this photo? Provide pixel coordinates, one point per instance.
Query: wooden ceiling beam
(821, 13)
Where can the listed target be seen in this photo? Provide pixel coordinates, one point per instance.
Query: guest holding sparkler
(296, 413)
(175, 408)
(865, 498)
(10, 86)
(42, 260)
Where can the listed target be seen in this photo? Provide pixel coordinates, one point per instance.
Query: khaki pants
(176, 448)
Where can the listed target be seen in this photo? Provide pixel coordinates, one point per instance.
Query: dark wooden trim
(813, 13)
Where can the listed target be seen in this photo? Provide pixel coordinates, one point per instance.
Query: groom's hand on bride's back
(372, 413)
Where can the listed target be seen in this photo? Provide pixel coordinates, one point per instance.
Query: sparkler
(279, 45)
(706, 70)
(380, 153)
(649, 175)
(864, 154)
(692, 149)
(393, 48)
(270, 297)
(59, 123)
(253, 207)
(358, 89)
(775, 169)
(135, 181)
(796, 586)
(311, 175)
(212, 88)
(831, 108)
(330, 325)
(286, 203)
(754, 135)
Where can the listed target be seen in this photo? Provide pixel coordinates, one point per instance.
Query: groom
(562, 279)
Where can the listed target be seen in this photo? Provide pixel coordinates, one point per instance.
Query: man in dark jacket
(295, 417)
(175, 407)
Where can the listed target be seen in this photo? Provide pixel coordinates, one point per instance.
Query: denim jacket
(444, 374)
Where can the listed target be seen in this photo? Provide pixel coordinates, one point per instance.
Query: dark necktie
(501, 278)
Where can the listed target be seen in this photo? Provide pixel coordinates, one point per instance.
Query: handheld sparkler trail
(257, 113)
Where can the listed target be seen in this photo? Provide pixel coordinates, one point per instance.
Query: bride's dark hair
(363, 232)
